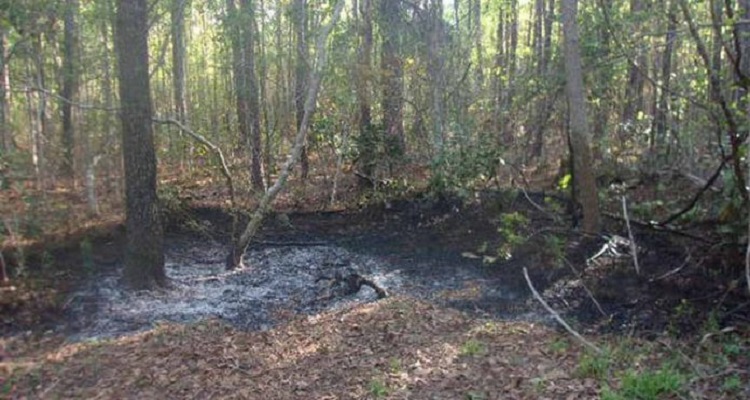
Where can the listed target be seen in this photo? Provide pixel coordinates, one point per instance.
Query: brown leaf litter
(398, 348)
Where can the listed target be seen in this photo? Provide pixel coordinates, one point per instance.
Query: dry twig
(557, 316)
(633, 245)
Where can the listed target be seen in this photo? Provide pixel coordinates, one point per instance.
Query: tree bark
(144, 253)
(6, 143)
(69, 85)
(177, 14)
(436, 67)
(234, 258)
(634, 88)
(662, 108)
(392, 79)
(300, 74)
(585, 184)
(253, 104)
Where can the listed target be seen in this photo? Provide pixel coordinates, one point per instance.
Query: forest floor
(459, 322)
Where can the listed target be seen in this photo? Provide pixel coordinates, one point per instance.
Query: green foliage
(595, 365)
(395, 365)
(554, 248)
(463, 168)
(474, 396)
(648, 385)
(732, 383)
(560, 345)
(511, 228)
(565, 181)
(378, 389)
(376, 152)
(472, 347)
(87, 256)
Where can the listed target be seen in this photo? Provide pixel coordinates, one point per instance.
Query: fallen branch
(352, 283)
(672, 272)
(202, 140)
(697, 196)
(586, 289)
(557, 316)
(655, 226)
(633, 245)
(234, 258)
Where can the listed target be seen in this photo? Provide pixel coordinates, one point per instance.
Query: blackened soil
(468, 254)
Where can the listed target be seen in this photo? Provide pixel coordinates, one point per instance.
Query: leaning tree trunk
(579, 136)
(234, 258)
(144, 253)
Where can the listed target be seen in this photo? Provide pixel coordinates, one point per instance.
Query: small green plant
(732, 383)
(594, 365)
(472, 347)
(650, 385)
(474, 396)
(378, 389)
(560, 345)
(554, 248)
(511, 227)
(395, 365)
(47, 261)
(87, 256)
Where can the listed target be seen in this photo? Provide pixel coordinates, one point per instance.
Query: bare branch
(633, 245)
(199, 138)
(234, 259)
(557, 316)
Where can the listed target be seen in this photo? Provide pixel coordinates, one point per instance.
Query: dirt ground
(462, 325)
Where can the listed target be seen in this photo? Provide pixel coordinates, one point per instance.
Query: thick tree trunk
(69, 85)
(300, 74)
(585, 184)
(234, 258)
(436, 66)
(392, 79)
(364, 68)
(144, 253)
(253, 105)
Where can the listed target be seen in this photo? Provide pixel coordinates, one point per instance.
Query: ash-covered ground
(280, 280)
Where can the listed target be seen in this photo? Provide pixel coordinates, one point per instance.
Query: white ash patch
(277, 280)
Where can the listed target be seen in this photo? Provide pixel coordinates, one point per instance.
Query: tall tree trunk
(498, 75)
(662, 108)
(549, 18)
(234, 23)
(634, 88)
(234, 258)
(363, 81)
(177, 26)
(392, 79)
(300, 74)
(436, 66)
(253, 105)
(477, 16)
(364, 68)
(177, 14)
(729, 115)
(144, 253)
(69, 85)
(579, 136)
(39, 118)
(6, 142)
